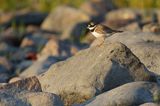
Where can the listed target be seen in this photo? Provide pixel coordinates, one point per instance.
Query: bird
(100, 30)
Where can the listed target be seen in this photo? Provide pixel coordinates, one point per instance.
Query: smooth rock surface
(94, 70)
(66, 19)
(38, 67)
(152, 27)
(130, 94)
(150, 104)
(125, 16)
(144, 45)
(30, 84)
(16, 97)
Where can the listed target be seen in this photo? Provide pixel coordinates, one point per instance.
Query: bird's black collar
(92, 30)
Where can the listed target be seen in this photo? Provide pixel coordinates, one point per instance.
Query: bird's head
(91, 26)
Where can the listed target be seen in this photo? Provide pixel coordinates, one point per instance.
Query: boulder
(51, 48)
(30, 84)
(6, 50)
(60, 48)
(27, 42)
(134, 27)
(4, 62)
(4, 77)
(93, 71)
(130, 94)
(20, 67)
(5, 16)
(38, 67)
(150, 104)
(97, 8)
(26, 92)
(5, 69)
(25, 18)
(14, 79)
(125, 16)
(66, 20)
(144, 45)
(16, 97)
(152, 27)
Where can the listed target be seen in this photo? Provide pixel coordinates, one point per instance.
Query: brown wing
(104, 29)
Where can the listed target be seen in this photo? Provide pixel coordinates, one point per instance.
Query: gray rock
(144, 45)
(66, 20)
(150, 104)
(29, 84)
(125, 16)
(58, 48)
(124, 13)
(15, 97)
(41, 99)
(5, 69)
(97, 7)
(93, 71)
(38, 67)
(130, 94)
(26, 92)
(33, 18)
(22, 66)
(135, 27)
(152, 27)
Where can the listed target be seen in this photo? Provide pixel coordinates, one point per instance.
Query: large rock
(59, 48)
(38, 67)
(93, 71)
(66, 19)
(135, 27)
(152, 27)
(30, 84)
(144, 45)
(125, 16)
(5, 69)
(27, 17)
(97, 8)
(131, 94)
(150, 104)
(26, 92)
(16, 97)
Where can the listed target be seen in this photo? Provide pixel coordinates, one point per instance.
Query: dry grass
(143, 4)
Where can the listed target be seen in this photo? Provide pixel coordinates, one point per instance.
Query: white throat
(91, 28)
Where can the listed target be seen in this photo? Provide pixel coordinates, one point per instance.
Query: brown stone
(31, 84)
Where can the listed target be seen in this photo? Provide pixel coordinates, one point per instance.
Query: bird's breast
(97, 34)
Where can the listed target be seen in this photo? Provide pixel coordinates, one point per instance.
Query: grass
(47, 5)
(40, 5)
(142, 4)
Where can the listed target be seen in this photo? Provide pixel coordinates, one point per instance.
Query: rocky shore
(53, 60)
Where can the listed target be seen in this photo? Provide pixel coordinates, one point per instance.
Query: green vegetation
(143, 4)
(41, 5)
(47, 5)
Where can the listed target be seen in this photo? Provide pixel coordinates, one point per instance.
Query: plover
(100, 30)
